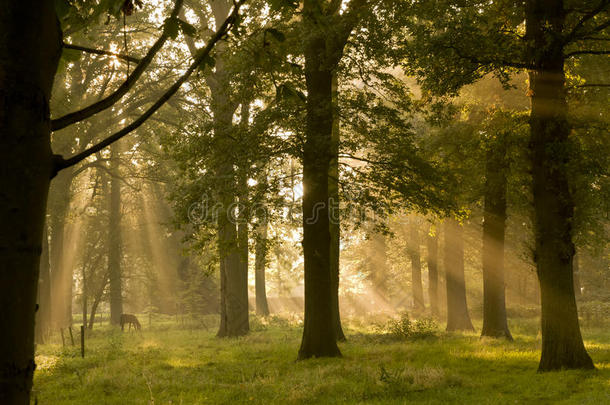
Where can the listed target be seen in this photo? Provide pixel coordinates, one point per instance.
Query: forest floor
(171, 362)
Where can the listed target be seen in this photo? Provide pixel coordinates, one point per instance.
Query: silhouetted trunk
(562, 345)
(43, 314)
(260, 265)
(319, 338)
(432, 245)
(416, 278)
(335, 215)
(242, 229)
(457, 308)
(30, 47)
(114, 238)
(494, 302)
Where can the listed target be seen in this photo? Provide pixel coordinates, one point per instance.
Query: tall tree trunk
(114, 238)
(242, 232)
(457, 308)
(30, 47)
(261, 258)
(562, 345)
(260, 265)
(43, 314)
(335, 215)
(494, 302)
(319, 338)
(432, 258)
(415, 257)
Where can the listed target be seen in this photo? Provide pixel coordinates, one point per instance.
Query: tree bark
(562, 344)
(319, 337)
(432, 258)
(416, 278)
(30, 47)
(457, 308)
(114, 238)
(260, 265)
(494, 302)
(335, 215)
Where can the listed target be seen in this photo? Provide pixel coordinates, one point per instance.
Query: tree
(432, 262)
(494, 306)
(413, 252)
(491, 38)
(457, 308)
(30, 47)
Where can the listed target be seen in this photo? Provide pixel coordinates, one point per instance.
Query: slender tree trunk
(96, 301)
(319, 338)
(30, 46)
(335, 215)
(260, 265)
(43, 314)
(562, 344)
(494, 302)
(416, 278)
(432, 245)
(242, 233)
(457, 308)
(114, 238)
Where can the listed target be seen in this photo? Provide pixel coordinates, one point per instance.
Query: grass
(172, 363)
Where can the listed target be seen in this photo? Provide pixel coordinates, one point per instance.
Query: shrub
(404, 328)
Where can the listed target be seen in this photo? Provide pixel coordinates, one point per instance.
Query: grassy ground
(171, 363)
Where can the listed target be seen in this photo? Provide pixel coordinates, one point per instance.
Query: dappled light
(299, 202)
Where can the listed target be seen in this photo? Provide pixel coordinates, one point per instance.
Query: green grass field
(172, 363)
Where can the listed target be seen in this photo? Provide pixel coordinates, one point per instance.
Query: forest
(304, 202)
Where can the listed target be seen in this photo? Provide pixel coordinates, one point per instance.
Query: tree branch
(77, 116)
(61, 163)
(101, 52)
(574, 33)
(586, 52)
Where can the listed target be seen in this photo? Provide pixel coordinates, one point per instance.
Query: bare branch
(222, 31)
(80, 115)
(101, 52)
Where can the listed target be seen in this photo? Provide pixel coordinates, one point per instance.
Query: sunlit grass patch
(192, 366)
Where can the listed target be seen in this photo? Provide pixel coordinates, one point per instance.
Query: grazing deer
(131, 320)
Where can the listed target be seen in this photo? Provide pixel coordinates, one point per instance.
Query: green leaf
(171, 27)
(207, 61)
(70, 55)
(278, 35)
(62, 8)
(187, 28)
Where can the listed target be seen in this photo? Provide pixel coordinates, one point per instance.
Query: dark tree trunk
(335, 215)
(261, 256)
(260, 265)
(494, 306)
(416, 278)
(432, 258)
(30, 46)
(457, 308)
(43, 314)
(562, 344)
(319, 338)
(96, 301)
(114, 238)
(242, 232)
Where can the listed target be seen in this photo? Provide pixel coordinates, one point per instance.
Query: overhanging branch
(80, 115)
(101, 52)
(61, 163)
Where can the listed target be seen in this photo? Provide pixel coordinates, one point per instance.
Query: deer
(131, 320)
